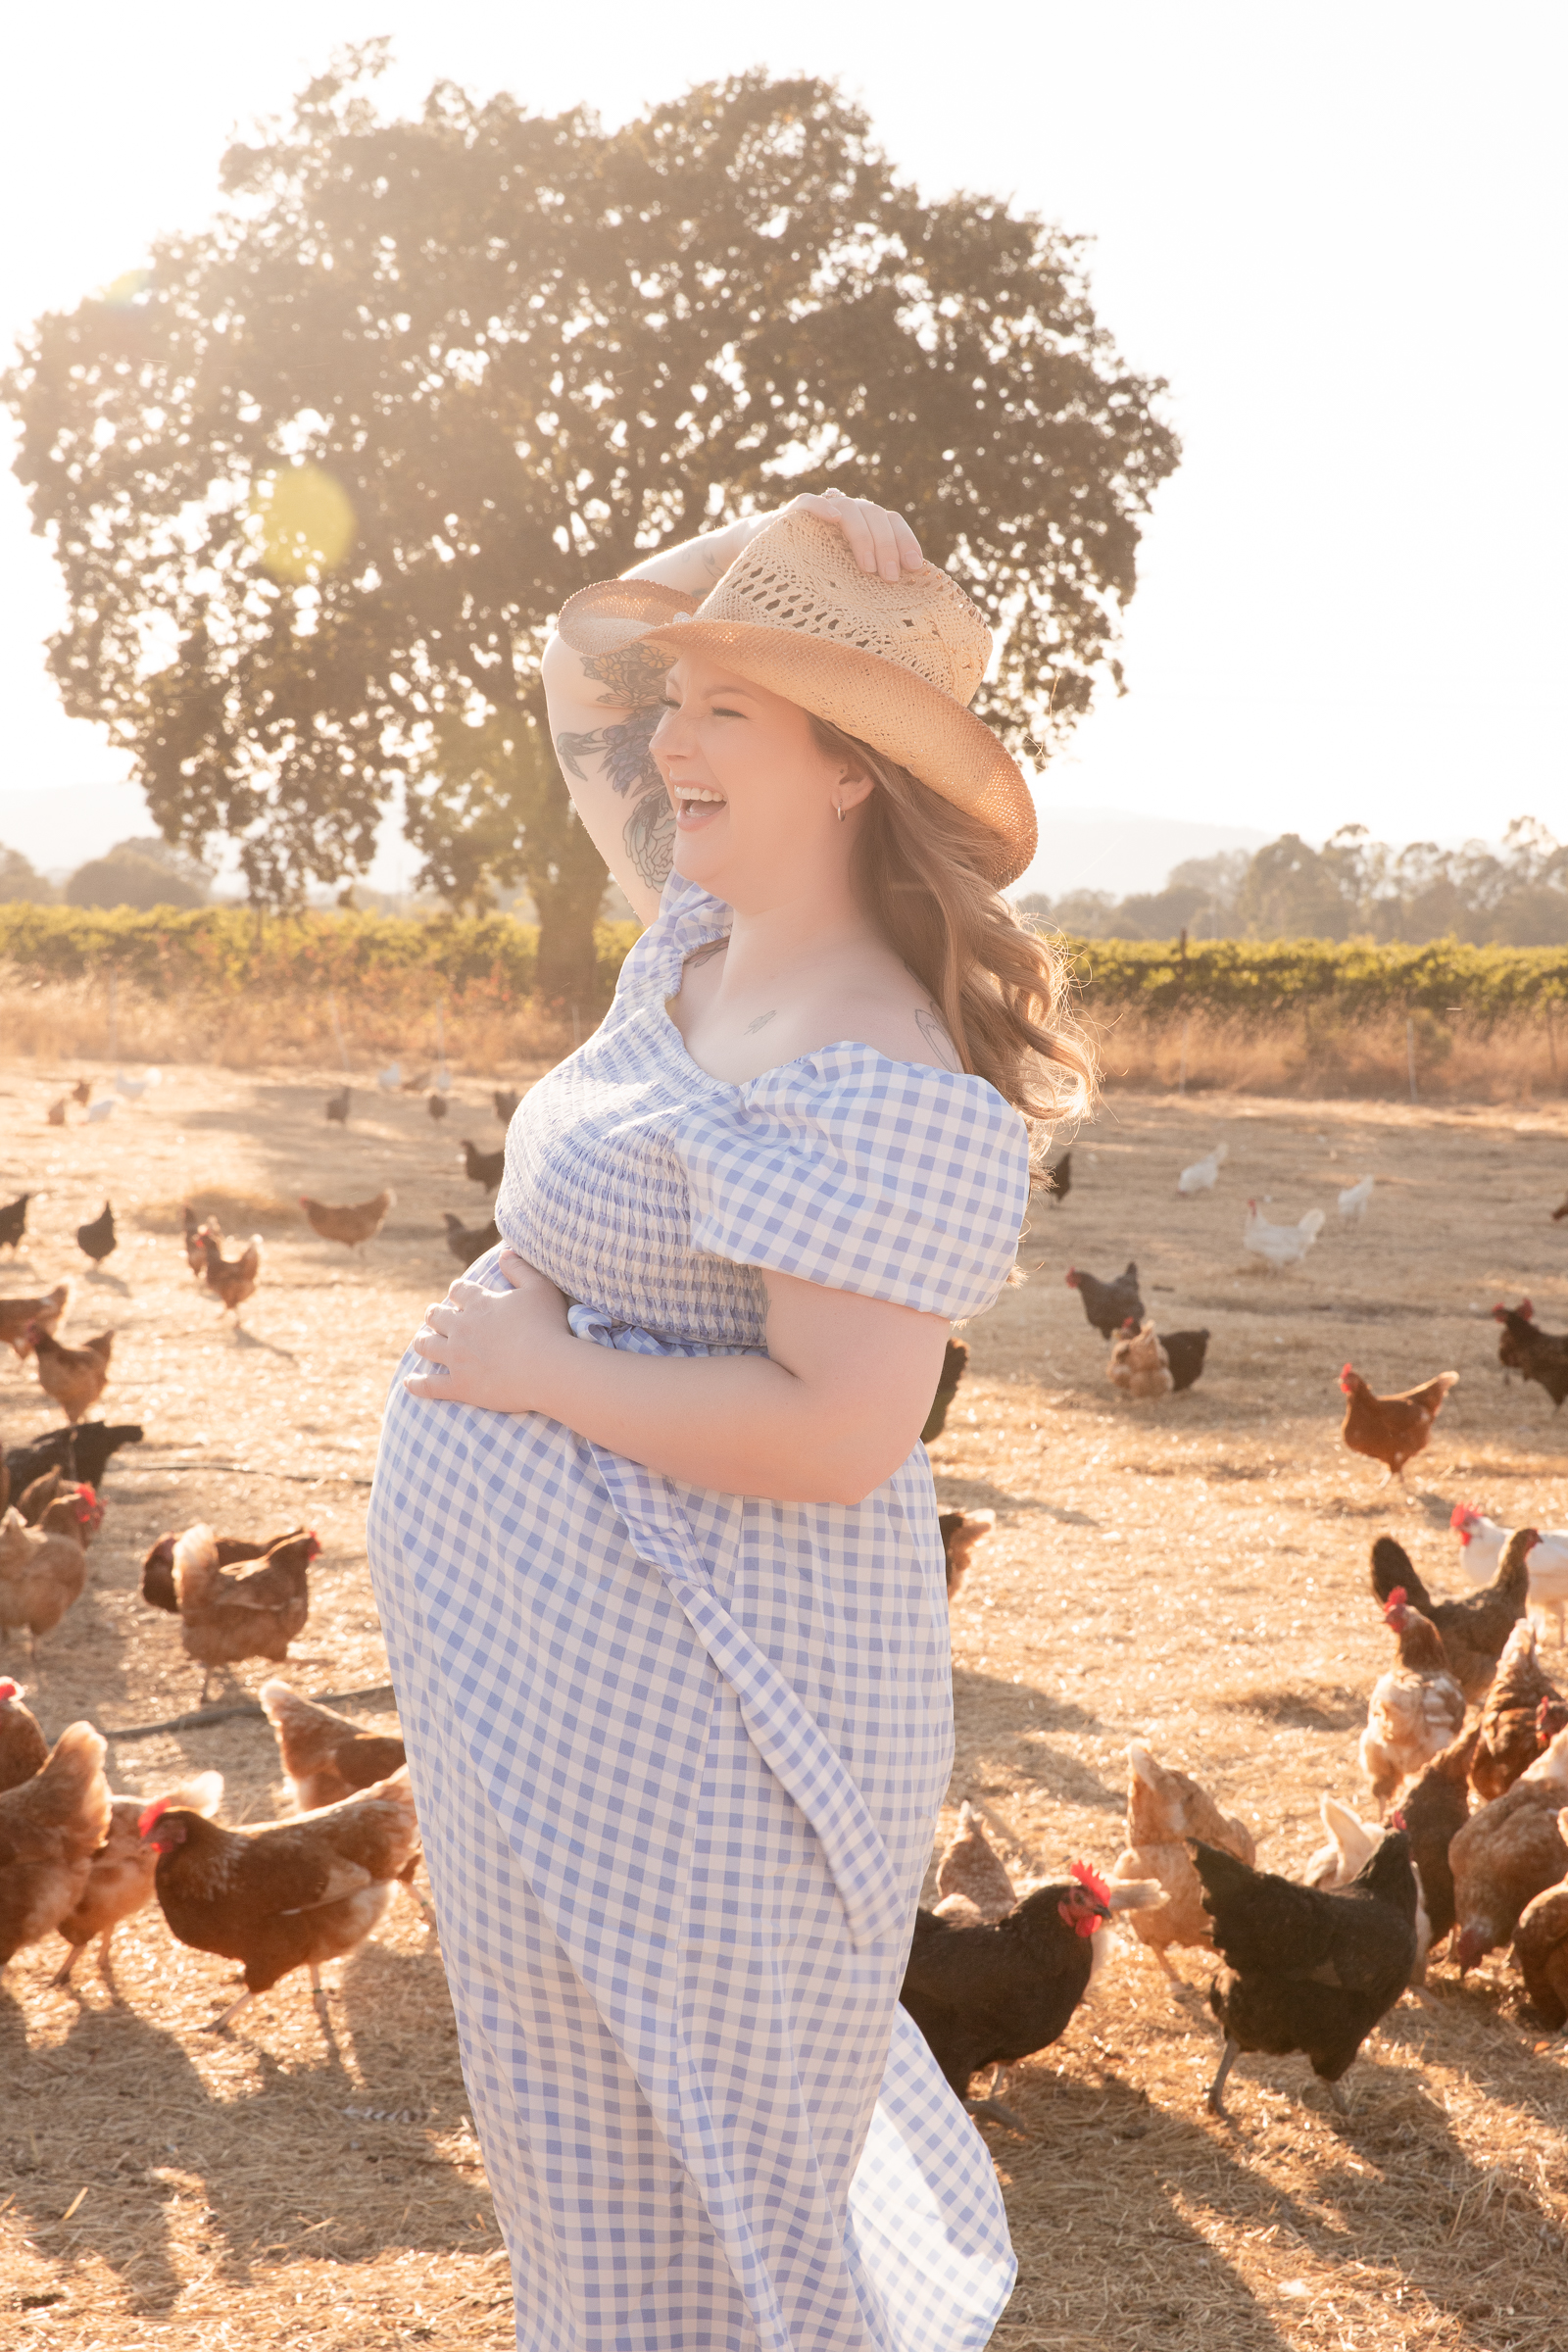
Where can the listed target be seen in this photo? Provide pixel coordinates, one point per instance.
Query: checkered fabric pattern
(679, 1754)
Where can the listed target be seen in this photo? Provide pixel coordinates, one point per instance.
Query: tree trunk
(567, 879)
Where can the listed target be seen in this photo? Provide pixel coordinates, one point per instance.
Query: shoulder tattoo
(939, 1043)
(650, 837)
(622, 747)
(634, 674)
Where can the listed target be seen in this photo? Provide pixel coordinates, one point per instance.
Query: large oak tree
(319, 477)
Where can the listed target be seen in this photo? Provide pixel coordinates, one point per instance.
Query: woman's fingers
(879, 540)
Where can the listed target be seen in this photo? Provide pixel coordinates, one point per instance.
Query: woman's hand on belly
(492, 1347)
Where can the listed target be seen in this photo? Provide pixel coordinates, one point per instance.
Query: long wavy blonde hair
(919, 870)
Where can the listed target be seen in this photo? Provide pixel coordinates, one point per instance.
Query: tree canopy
(319, 477)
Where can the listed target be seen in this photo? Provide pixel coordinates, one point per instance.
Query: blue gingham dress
(679, 1754)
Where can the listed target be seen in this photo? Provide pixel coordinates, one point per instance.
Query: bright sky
(1339, 231)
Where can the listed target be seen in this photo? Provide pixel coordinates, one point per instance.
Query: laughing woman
(654, 1537)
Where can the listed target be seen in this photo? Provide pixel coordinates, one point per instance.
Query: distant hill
(1116, 850)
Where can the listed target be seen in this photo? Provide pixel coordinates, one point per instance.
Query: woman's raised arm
(604, 707)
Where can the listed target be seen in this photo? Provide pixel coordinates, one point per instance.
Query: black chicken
(1434, 1809)
(1474, 1629)
(506, 1103)
(1185, 1352)
(14, 1222)
(955, 1364)
(98, 1237)
(987, 1995)
(468, 1242)
(485, 1168)
(337, 1107)
(1058, 1179)
(436, 1105)
(82, 1453)
(1309, 1969)
(1535, 1354)
(1107, 1305)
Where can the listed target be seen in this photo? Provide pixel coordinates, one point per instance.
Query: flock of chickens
(1464, 1750)
(77, 1860)
(1465, 1753)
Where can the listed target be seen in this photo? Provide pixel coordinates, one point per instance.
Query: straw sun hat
(895, 663)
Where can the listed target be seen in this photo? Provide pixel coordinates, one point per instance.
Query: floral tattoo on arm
(635, 677)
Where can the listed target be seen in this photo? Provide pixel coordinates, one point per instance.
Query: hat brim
(879, 702)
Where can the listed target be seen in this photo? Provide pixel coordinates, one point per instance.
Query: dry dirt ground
(1191, 1574)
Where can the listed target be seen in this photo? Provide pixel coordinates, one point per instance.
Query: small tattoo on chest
(760, 1023)
(937, 1038)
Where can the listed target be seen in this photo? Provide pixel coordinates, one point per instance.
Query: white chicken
(1204, 1174)
(100, 1110)
(133, 1089)
(1350, 1848)
(1481, 1548)
(1353, 1200)
(390, 1079)
(1281, 1245)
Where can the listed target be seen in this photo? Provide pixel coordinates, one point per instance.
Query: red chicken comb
(86, 1500)
(7, 1689)
(1460, 1518)
(152, 1817)
(1091, 1881)
(1399, 1598)
(1397, 1821)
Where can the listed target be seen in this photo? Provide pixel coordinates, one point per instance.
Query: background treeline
(1352, 888)
(218, 952)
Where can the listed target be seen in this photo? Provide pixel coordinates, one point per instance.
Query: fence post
(114, 1018)
(337, 1030)
(1409, 1052)
(1187, 1018)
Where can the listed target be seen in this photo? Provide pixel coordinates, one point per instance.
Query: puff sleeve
(886, 1178)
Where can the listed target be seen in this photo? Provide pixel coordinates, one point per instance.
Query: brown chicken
(197, 1230)
(287, 1895)
(158, 1567)
(233, 1280)
(1416, 1708)
(1541, 1946)
(57, 1485)
(1475, 1627)
(226, 1614)
(355, 1224)
(50, 1828)
(1138, 1365)
(972, 1881)
(1390, 1430)
(324, 1756)
(74, 1377)
(1507, 1854)
(20, 1318)
(43, 1569)
(1520, 1713)
(22, 1745)
(1165, 1808)
(121, 1874)
(962, 1534)
(1435, 1810)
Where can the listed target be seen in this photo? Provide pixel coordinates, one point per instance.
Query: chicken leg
(1215, 2102)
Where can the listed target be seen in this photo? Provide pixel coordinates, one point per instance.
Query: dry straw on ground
(1191, 1574)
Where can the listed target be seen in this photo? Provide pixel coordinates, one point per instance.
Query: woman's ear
(853, 786)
